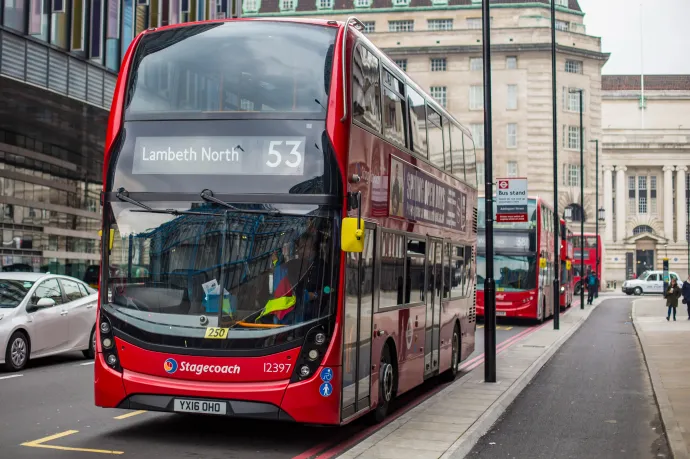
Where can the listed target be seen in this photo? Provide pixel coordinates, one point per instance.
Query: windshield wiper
(207, 195)
(123, 195)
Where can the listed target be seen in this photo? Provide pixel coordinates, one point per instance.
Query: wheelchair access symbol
(326, 374)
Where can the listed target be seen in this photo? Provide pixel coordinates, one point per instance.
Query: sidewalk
(450, 423)
(666, 348)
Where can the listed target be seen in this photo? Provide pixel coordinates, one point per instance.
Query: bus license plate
(200, 406)
(500, 313)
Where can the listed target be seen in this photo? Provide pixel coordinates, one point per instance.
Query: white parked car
(44, 314)
(648, 282)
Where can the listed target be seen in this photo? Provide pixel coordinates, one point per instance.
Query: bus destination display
(256, 155)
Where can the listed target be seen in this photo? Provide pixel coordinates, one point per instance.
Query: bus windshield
(512, 273)
(239, 66)
(215, 266)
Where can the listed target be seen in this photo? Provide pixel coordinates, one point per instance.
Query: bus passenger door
(357, 329)
(433, 306)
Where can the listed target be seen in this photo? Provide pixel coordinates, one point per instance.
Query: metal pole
(556, 218)
(582, 209)
(596, 214)
(489, 282)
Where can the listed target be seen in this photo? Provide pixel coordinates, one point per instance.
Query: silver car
(44, 314)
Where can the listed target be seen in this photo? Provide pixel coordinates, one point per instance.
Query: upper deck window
(242, 66)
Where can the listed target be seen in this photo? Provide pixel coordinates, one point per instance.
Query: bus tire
(387, 380)
(450, 374)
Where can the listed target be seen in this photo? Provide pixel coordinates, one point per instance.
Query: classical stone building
(439, 44)
(646, 185)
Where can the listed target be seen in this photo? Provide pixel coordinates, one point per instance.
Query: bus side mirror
(112, 238)
(352, 235)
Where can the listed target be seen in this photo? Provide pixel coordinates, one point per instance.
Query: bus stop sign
(511, 200)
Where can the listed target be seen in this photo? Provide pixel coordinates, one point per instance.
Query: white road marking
(85, 364)
(10, 376)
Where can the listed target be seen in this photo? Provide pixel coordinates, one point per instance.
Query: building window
(476, 97)
(402, 63)
(512, 100)
(478, 135)
(642, 183)
(250, 6)
(562, 25)
(572, 99)
(641, 229)
(439, 93)
(363, 4)
(476, 63)
(369, 26)
(440, 24)
(78, 25)
(574, 137)
(511, 62)
(288, 5)
(573, 66)
(474, 23)
(563, 3)
(511, 169)
(401, 2)
(324, 4)
(438, 64)
(574, 176)
(511, 135)
(401, 26)
(631, 183)
(652, 195)
(643, 205)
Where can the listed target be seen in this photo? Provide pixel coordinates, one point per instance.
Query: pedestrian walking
(591, 286)
(672, 295)
(685, 291)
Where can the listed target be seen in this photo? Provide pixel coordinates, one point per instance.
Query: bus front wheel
(386, 384)
(450, 374)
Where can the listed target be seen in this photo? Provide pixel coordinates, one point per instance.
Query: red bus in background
(239, 157)
(524, 260)
(591, 255)
(567, 286)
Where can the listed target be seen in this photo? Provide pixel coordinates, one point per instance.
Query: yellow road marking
(129, 415)
(498, 327)
(40, 444)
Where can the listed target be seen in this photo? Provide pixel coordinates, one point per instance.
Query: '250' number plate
(216, 333)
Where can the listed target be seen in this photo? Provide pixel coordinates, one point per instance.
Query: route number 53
(294, 159)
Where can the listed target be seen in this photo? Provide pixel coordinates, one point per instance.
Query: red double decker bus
(567, 287)
(591, 255)
(293, 222)
(524, 260)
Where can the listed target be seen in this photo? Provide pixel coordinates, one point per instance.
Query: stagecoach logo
(408, 333)
(170, 366)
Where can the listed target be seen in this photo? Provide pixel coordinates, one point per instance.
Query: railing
(41, 65)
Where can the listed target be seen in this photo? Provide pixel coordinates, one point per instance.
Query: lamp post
(582, 205)
(556, 219)
(596, 206)
(489, 282)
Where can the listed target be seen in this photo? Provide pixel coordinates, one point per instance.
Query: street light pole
(556, 218)
(489, 282)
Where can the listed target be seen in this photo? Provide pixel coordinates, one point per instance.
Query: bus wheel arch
(388, 379)
(451, 373)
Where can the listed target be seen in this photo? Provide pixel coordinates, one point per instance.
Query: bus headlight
(108, 344)
(313, 351)
(562, 289)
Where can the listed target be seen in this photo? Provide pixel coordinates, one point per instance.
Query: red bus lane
(281, 249)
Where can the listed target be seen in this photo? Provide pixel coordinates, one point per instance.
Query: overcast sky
(666, 34)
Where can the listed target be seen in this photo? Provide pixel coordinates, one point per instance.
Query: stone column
(608, 202)
(680, 204)
(668, 202)
(621, 203)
